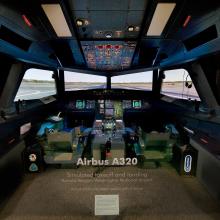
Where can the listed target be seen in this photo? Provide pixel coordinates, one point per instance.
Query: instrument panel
(108, 104)
(111, 55)
(81, 104)
(106, 107)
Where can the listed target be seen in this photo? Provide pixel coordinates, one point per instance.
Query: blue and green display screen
(80, 104)
(136, 104)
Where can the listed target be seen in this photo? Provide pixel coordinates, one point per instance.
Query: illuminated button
(33, 167)
(130, 28)
(32, 157)
(108, 35)
(79, 22)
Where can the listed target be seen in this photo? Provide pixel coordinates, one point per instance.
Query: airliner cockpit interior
(109, 109)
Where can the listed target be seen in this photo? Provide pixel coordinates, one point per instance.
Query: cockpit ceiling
(108, 19)
(108, 55)
(109, 36)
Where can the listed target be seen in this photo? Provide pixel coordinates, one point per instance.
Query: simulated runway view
(36, 90)
(143, 194)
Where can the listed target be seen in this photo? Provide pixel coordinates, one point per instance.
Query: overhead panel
(108, 19)
(108, 55)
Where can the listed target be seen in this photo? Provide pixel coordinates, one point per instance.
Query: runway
(32, 90)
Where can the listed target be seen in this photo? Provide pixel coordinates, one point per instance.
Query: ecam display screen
(80, 104)
(109, 112)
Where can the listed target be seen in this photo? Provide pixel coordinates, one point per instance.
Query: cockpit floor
(143, 194)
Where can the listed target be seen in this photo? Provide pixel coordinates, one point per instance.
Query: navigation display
(136, 104)
(80, 104)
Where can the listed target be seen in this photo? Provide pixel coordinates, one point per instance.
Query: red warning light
(186, 22)
(26, 20)
(108, 46)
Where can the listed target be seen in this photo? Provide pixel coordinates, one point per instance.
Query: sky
(172, 75)
(134, 77)
(38, 74)
(81, 77)
(176, 75)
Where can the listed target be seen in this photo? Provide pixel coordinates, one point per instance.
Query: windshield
(136, 81)
(81, 81)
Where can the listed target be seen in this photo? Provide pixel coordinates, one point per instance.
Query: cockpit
(110, 102)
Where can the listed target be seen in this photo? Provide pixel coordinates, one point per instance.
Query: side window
(178, 84)
(36, 84)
